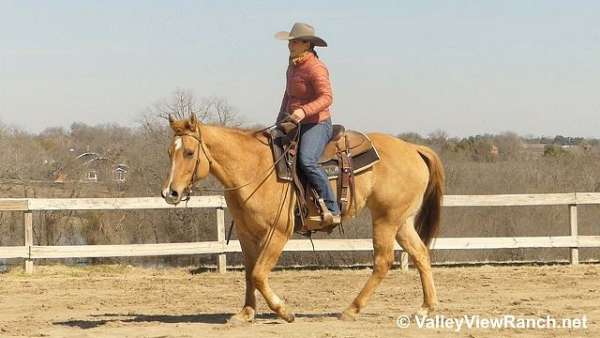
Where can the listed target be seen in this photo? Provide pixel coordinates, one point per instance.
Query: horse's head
(189, 162)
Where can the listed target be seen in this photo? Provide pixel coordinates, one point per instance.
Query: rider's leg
(313, 139)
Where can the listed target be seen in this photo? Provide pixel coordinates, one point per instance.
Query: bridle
(202, 147)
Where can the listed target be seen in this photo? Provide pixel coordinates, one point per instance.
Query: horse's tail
(428, 219)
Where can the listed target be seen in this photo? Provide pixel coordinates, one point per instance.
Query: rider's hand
(287, 126)
(298, 115)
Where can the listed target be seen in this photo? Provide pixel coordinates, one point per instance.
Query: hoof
(424, 311)
(347, 316)
(238, 320)
(289, 317)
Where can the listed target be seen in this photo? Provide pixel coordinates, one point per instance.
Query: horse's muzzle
(171, 196)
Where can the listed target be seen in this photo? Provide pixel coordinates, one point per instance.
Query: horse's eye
(189, 153)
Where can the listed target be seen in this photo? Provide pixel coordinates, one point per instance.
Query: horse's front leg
(250, 253)
(267, 258)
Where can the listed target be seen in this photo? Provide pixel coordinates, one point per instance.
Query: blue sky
(466, 67)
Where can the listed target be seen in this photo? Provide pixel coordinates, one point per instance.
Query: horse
(403, 192)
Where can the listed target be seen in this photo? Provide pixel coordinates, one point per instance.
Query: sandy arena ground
(117, 301)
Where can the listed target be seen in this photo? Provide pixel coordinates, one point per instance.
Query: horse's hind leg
(384, 232)
(409, 240)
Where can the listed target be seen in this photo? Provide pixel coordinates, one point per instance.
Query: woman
(306, 102)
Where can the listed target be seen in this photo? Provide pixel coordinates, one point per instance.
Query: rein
(262, 178)
(202, 146)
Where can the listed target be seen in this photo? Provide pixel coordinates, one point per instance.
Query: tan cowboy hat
(302, 31)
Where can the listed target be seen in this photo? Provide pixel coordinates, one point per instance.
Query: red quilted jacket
(307, 87)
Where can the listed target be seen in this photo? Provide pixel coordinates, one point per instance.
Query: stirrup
(326, 218)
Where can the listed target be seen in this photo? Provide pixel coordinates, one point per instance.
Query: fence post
(403, 261)
(573, 221)
(28, 229)
(222, 258)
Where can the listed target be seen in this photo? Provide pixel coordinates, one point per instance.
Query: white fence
(29, 251)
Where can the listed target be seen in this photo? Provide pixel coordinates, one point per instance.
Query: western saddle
(347, 153)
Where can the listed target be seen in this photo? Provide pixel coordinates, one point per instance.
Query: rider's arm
(284, 102)
(319, 79)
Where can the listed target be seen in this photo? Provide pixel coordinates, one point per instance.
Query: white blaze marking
(178, 145)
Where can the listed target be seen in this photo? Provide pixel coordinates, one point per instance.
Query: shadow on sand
(203, 318)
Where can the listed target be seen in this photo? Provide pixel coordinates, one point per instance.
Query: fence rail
(29, 251)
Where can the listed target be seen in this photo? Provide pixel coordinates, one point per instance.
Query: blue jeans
(313, 139)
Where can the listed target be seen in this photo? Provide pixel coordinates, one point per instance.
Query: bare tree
(509, 145)
(22, 157)
(220, 112)
(180, 104)
(438, 137)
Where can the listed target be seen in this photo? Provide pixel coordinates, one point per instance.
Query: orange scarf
(300, 58)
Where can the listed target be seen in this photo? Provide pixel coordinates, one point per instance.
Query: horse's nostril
(174, 193)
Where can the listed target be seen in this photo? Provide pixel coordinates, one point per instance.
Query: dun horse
(403, 192)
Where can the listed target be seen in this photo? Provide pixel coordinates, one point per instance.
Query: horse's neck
(237, 157)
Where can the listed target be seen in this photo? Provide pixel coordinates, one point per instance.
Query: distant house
(120, 172)
(92, 167)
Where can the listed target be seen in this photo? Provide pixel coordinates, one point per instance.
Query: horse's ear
(171, 120)
(192, 123)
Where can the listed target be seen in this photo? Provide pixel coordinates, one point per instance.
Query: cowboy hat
(302, 31)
